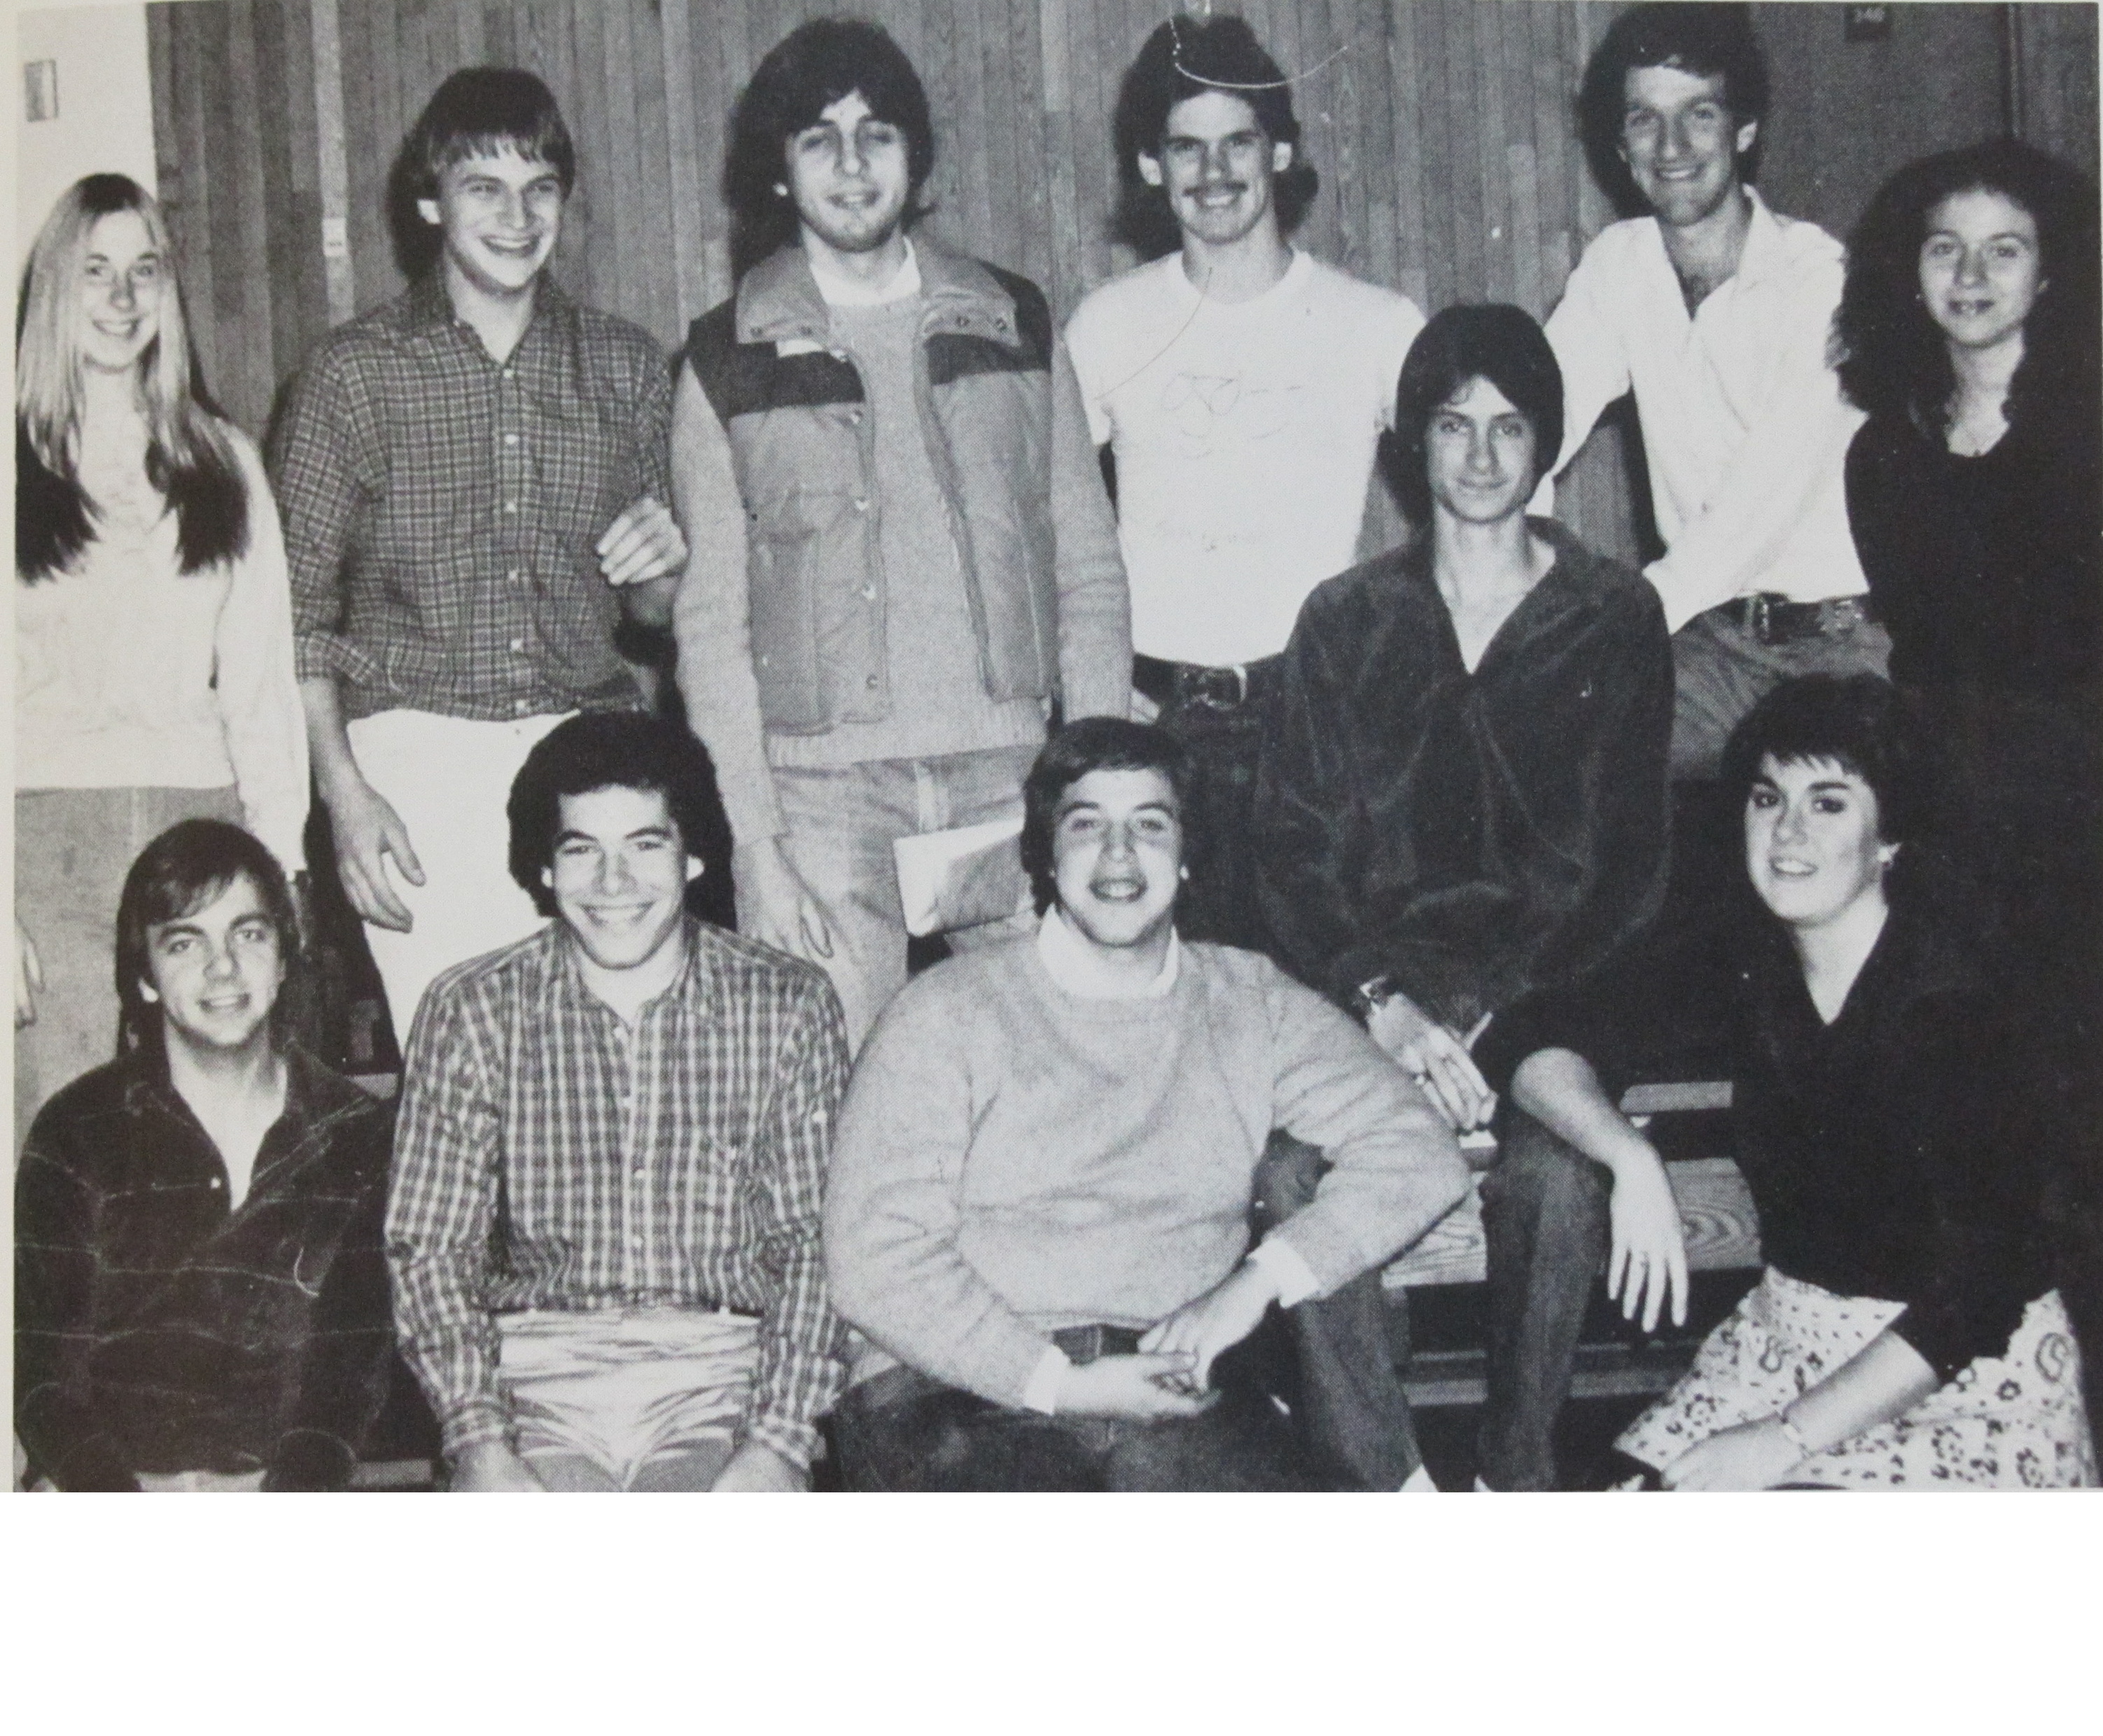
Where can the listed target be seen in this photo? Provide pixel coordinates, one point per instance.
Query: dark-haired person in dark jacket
(903, 553)
(1462, 800)
(201, 1296)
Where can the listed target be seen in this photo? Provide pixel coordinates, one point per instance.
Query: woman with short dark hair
(1906, 1334)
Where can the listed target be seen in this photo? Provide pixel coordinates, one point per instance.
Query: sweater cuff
(1282, 1264)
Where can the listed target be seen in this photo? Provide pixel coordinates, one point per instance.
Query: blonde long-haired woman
(153, 632)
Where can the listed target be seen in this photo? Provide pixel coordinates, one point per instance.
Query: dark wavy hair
(1859, 722)
(1489, 340)
(1101, 745)
(608, 750)
(1186, 57)
(1710, 40)
(479, 111)
(804, 74)
(1891, 356)
(177, 875)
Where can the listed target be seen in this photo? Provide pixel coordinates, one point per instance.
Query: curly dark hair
(1891, 356)
(1186, 57)
(1101, 745)
(606, 750)
(1710, 40)
(182, 870)
(804, 74)
(1490, 340)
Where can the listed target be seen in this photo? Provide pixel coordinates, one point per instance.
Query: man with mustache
(1240, 385)
(904, 554)
(473, 481)
(1040, 1204)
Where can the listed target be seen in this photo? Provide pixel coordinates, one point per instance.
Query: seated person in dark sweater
(1888, 1122)
(1040, 1199)
(200, 1290)
(1462, 800)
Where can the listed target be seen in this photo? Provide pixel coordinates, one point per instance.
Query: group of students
(1103, 1200)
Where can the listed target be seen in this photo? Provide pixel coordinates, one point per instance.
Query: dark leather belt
(1226, 687)
(1085, 1343)
(1773, 620)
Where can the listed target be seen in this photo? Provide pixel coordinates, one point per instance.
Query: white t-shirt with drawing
(1244, 435)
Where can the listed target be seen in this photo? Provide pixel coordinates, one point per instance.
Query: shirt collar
(431, 309)
(566, 984)
(840, 290)
(1762, 256)
(1074, 967)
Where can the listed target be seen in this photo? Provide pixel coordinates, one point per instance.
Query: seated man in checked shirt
(603, 1228)
(1049, 1161)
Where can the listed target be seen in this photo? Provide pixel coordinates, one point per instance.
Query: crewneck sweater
(1013, 1159)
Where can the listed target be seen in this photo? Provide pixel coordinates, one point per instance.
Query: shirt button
(854, 415)
(870, 684)
(511, 439)
(511, 506)
(511, 373)
(518, 707)
(516, 575)
(517, 645)
(640, 1172)
(868, 593)
(861, 503)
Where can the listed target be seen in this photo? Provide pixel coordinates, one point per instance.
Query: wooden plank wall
(1440, 129)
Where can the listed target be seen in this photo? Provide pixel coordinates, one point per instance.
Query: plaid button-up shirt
(550, 1156)
(440, 507)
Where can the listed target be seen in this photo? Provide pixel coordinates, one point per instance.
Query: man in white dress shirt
(1241, 386)
(1716, 312)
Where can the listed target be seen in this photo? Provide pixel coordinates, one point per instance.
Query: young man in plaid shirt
(603, 1227)
(472, 480)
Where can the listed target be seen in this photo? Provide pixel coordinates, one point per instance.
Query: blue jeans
(1546, 1230)
(842, 823)
(1722, 669)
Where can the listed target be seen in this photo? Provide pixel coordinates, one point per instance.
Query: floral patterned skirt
(2014, 1421)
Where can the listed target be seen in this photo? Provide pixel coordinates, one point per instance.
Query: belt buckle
(1206, 687)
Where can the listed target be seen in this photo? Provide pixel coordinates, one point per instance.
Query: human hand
(1437, 1058)
(366, 828)
(782, 914)
(492, 1468)
(1754, 1455)
(1647, 1265)
(29, 977)
(644, 543)
(1217, 1320)
(1143, 1388)
(757, 1470)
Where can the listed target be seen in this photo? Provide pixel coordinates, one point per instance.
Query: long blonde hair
(188, 458)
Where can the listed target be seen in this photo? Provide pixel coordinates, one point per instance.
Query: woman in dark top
(200, 1297)
(1905, 1334)
(1969, 331)
(1461, 799)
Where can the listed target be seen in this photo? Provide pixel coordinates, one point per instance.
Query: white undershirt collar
(1071, 963)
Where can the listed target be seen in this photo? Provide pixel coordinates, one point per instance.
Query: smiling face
(1117, 856)
(216, 972)
(1478, 455)
(850, 177)
(1811, 844)
(1216, 165)
(501, 214)
(1679, 144)
(1979, 268)
(619, 875)
(123, 280)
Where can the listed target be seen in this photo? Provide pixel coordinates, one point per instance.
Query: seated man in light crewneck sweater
(1041, 1193)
